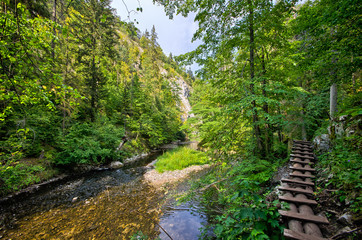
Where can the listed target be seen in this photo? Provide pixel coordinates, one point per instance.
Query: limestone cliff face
(184, 91)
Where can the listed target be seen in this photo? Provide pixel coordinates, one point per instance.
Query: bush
(14, 177)
(180, 158)
(236, 198)
(343, 168)
(90, 144)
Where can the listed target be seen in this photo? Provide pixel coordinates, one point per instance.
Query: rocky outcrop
(322, 143)
(341, 129)
(184, 93)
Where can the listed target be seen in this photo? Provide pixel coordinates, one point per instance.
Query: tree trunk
(268, 134)
(333, 110)
(304, 131)
(252, 74)
(333, 101)
(302, 113)
(54, 31)
(93, 91)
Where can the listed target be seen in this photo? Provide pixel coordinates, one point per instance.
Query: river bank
(124, 201)
(63, 175)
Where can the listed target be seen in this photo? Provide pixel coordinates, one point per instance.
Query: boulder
(345, 219)
(322, 142)
(116, 164)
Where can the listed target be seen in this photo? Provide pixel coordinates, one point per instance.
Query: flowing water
(113, 204)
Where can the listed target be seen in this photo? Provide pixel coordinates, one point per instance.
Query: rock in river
(116, 165)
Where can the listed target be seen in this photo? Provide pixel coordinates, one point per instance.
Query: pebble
(157, 179)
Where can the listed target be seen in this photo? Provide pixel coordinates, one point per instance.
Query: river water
(113, 204)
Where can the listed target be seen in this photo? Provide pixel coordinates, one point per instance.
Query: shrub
(14, 177)
(344, 170)
(89, 144)
(236, 198)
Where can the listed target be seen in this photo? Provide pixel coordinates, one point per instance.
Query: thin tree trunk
(93, 91)
(302, 113)
(252, 74)
(268, 133)
(304, 131)
(333, 110)
(333, 101)
(54, 31)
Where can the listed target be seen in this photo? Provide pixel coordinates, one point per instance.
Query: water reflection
(181, 223)
(116, 213)
(102, 205)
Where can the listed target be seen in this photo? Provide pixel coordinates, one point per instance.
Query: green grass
(180, 158)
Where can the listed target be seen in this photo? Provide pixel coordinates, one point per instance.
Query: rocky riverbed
(156, 179)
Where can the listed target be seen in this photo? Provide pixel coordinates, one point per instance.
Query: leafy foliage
(343, 168)
(267, 69)
(89, 144)
(75, 80)
(236, 198)
(13, 178)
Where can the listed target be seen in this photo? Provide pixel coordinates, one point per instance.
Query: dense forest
(76, 84)
(80, 86)
(274, 71)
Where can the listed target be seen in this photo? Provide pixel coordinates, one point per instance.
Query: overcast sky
(173, 35)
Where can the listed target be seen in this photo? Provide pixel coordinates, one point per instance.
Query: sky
(174, 36)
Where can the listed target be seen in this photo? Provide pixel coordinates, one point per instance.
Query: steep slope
(83, 88)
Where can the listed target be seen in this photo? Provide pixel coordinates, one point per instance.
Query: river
(110, 204)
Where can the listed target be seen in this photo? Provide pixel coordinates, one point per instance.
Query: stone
(345, 219)
(322, 142)
(116, 164)
(344, 230)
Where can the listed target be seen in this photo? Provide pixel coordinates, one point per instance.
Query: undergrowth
(342, 167)
(16, 176)
(236, 197)
(180, 158)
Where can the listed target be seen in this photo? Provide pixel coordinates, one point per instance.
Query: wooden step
(298, 200)
(303, 169)
(300, 236)
(301, 175)
(300, 161)
(302, 149)
(300, 156)
(303, 217)
(297, 181)
(297, 145)
(296, 190)
(302, 141)
(303, 153)
(302, 146)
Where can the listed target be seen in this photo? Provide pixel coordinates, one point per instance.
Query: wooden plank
(302, 149)
(302, 162)
(303, 217)
(297, 181)
(303, 153)
(300, 236)
(302, 146)
(297, 145)
(298, 200)
(302, 141)
(303, 169)
(301, 175)
(300, 156)
(296, 190)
